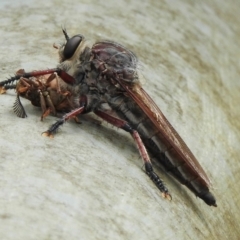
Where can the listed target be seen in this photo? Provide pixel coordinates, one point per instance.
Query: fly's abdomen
(160, 148)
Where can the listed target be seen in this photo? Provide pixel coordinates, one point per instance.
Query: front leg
(142, 150)
(56, 125)
(22, 74)
(4, 88)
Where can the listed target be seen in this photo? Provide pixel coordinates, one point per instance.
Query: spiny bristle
(18, 108)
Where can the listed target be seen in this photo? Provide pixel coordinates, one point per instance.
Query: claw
(167, 196)
(77, 120)
(45, 114)
(47, 134)
(2, 90)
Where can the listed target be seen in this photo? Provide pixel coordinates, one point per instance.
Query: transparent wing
(145, 102)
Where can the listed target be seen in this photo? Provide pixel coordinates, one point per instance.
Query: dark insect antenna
(65, 33)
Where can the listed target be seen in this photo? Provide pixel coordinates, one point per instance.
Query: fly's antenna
(65, 33)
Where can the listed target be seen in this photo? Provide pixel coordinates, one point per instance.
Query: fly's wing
(145, 102)
(119, 60)
(122, 66)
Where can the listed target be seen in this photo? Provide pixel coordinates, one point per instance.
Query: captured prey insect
(107, 72)
(46, 91)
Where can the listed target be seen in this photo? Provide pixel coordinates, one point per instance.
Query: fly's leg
(3, 88)
(143, 152)
(56, 125)
(7, 84)
(147, 162)
(64, 76)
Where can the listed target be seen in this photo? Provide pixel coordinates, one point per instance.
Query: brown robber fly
(105, 72)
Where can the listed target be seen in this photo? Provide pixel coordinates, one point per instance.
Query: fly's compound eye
(71, 46)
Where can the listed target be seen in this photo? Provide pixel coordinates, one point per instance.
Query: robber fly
(106, 72)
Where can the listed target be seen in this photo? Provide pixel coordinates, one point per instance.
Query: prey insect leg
(45, 98)
(56, 125)
(143, 152)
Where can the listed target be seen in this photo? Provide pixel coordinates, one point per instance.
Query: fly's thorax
(77, 61)
(91, 96)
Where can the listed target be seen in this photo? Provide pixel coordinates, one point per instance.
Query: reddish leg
(143, 152)
(65, 76)
(56, 125)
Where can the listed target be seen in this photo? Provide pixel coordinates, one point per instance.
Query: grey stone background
(87, 182)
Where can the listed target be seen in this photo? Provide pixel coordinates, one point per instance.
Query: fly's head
(71, 48)
(71, 52)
